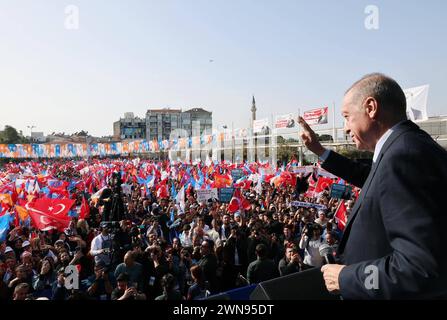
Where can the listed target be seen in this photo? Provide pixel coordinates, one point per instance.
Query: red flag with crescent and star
(50, 213)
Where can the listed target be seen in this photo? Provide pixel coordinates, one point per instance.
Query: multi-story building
(198, 118)
(161, 122)
(129, 127)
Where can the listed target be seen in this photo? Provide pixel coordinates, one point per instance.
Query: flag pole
(334, 132)
(300, 147)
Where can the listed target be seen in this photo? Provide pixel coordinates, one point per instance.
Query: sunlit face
(20, 294)
(358, 122)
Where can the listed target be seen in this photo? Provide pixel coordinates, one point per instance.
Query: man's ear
(371, 107)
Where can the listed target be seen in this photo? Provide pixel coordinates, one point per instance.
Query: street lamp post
(31, 131)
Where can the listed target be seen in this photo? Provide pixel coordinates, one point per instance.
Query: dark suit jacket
(397, 222)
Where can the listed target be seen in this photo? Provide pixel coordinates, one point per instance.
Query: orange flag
(22, 212)
(6, 198)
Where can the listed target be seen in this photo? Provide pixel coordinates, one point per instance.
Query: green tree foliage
(10, 135)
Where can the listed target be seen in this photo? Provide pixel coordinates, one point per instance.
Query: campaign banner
(236, 174)
(308, 205)
(285, 122)
(301, 169)
(316, 116)
(225, 194)
(341, 191)
(260, 126)
(326, 174)
(203, 195)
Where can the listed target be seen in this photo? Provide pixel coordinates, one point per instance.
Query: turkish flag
(323, 183)
(85, 209)
(238, 202)
(162, 193)
(50, 213)
(246, 184)
(222, 181)
(340, 214)
(288, 178)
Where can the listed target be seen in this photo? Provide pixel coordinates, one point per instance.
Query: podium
(305, 285)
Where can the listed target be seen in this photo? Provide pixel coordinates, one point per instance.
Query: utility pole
(31, 131)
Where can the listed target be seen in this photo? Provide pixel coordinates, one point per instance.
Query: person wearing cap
(26, 246)
(9, 252)
(101, 247)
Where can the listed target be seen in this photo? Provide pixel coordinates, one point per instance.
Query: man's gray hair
(385, 90)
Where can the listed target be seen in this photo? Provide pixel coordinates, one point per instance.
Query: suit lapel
(405, 126)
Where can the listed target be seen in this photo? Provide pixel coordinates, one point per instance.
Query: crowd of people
(137, 243)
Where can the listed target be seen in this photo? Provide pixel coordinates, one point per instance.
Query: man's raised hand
(309, 138)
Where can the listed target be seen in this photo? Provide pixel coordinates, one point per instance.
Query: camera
(310, 227)
(111, 226)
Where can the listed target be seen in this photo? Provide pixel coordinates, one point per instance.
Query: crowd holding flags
(32, 193)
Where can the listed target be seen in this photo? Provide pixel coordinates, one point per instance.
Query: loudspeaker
(305, 285)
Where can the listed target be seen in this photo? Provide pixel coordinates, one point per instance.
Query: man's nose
(345, 128)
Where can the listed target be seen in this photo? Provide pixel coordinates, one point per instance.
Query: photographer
(101, 247)
(101, 287)
(311, 242)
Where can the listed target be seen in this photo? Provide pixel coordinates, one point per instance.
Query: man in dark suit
(393, 243)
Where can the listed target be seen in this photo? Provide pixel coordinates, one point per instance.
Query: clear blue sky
(138, 54)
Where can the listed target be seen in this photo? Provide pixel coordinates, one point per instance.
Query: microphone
(326, 252)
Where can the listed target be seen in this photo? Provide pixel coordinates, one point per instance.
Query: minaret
(253, 111)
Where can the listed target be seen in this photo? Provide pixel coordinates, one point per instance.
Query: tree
(356, 154)
(10, 135)
(325, 137)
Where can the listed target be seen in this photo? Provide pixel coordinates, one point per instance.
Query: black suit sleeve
(350, 170)
(410, 212)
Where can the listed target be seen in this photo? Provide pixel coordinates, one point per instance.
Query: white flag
(180, 199)
(417, 103)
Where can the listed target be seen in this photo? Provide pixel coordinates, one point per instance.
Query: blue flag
(173, 192)
(4, 225)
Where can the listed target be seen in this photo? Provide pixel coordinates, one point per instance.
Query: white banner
(316, 116)
(260, 126)
(302, 169)
(417, 103)
(204, 194)
(285, 122)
